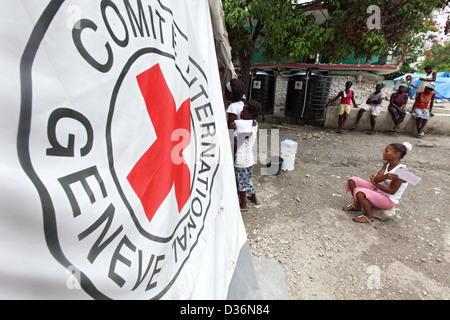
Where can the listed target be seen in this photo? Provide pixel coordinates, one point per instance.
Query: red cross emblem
(154, 175)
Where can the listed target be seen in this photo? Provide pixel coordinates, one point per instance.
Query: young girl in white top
(244, 158)
(234, 92)
(430, 77)
(384, 189)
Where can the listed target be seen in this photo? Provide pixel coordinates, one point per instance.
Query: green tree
(277, 25)
(438, 56)
(400, 23)
(282, 27)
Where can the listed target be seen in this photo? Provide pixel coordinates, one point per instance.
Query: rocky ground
(324, 253)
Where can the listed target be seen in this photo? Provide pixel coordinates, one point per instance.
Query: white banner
(116, 176)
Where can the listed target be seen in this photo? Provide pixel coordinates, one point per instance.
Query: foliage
(400, 23)
(438, 57)
(268, 21)
(286, 32)
(277, 25)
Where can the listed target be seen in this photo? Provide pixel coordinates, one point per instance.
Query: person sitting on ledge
(397, 105)
(374, 105)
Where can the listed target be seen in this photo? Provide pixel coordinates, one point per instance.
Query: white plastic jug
(288, 147)
(288, 152)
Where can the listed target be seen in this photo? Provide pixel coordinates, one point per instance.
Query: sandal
(350, 207)
(362, 216)
(252, 200)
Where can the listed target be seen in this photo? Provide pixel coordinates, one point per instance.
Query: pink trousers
(373, 194)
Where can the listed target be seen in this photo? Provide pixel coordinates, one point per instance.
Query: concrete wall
(362, 86)
(439, 124)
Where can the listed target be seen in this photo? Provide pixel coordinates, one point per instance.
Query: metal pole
(306, 92)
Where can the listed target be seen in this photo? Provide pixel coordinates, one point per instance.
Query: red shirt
(347, 99)
(424, 100)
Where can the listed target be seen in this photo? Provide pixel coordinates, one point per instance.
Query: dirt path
(328, 256)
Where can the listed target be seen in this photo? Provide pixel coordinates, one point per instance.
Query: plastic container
(288, 152)
(288, 162)
(307, 94)
(288, 147)
(262, 89)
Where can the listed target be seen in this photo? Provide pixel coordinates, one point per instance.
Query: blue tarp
(442, 83)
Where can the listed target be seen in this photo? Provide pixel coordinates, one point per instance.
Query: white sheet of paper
(243, 126)
(407, 176)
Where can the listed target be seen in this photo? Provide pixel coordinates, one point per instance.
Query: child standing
(384, 189)
(429, 78)
(408, 81)
(347, 97)
(234, 92)
(244, 159)
(420, 110)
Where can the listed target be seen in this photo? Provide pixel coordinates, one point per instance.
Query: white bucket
(288, 152)
(288, 162)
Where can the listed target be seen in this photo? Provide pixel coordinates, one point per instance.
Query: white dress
(387, 183)
(244, 153)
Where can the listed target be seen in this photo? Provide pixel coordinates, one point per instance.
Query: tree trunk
(245, 60)
(369, 59)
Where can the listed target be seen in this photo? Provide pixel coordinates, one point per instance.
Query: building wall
(362, 86)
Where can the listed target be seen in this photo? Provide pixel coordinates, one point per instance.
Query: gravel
(326, 255)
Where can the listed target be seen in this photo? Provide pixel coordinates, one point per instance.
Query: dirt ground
(326, 255)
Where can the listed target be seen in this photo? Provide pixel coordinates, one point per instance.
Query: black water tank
(262, 89)
(307, 94)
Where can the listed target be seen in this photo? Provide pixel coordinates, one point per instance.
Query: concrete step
(439, 124)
